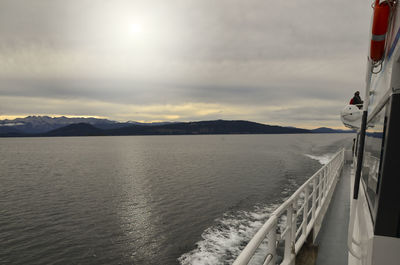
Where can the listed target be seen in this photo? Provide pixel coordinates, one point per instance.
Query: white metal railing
(289, 226)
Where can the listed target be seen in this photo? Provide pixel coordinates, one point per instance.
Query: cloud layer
(280, 62)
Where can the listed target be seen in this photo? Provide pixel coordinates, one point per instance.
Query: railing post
(305, 210)
(294, 223)
(327, 178)
(329, 169)
(324, 181)
(288, 235)
(314, 198)
(272, 242)
(323, 173)
(320, 177)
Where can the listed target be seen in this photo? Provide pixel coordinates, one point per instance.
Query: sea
(194, 199)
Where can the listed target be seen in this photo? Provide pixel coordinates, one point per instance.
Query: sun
(136, 29)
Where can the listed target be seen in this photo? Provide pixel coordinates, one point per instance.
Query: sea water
(147, 199)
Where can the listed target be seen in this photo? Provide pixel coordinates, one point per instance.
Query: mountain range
(63, 126)
(43, 124)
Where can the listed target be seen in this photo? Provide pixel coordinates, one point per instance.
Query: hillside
(182, 128)
(79, 129)
(43, 124)
(63, 126)
(207, 127)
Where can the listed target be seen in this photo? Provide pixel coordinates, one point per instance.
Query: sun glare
(136, 28)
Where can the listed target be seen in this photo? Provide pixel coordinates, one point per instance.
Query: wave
(322, 159)
(223, 242)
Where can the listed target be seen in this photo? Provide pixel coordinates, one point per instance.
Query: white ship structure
(321, 223)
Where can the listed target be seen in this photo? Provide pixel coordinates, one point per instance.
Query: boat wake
(223, 242)
(322, 159)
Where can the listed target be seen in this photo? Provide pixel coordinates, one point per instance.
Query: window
(373, 151)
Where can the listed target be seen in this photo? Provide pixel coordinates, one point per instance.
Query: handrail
(308, 199)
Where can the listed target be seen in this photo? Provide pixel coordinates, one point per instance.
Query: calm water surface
(146, 199)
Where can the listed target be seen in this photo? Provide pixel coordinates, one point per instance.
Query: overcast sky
(294, 62)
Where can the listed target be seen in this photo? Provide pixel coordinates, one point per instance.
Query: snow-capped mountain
(40, 124)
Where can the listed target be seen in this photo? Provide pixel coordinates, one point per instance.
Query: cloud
(254, 60)
(306, 113)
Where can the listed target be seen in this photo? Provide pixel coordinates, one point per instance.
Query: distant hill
(329, 130)
(63, 126)
(79, 129)
(43, 124)
(207, 127)
(201, 127)
(8, 130)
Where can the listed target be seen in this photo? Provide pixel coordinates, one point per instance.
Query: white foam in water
(323, 159)
(222, 243)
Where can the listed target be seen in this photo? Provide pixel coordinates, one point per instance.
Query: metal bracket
(395, 90)
(293, 248)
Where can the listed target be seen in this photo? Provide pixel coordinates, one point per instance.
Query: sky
(291, 63)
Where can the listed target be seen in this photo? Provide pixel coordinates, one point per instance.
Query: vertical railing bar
(320, 190)
(330, 175)
(288, 236)
(294, 222)
(305, 211)
(321, 184)
(324, 182)
(314, 198)
(271, 237)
